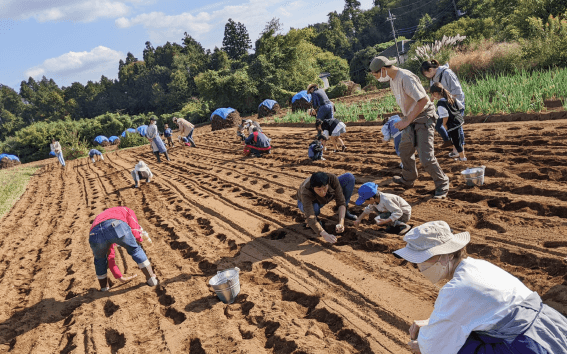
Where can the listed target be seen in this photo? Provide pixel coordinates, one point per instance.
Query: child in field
(141, 170)
(167, 135)
(391, 132)
(392, 209)
(449, 112)
(95, 152)
(332, 129)
(316, 148)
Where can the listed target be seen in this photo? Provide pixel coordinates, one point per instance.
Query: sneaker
(453, 154)
(440, 194)
(402, 181)
(323, 159)
(343, 149)
(136, 186)
(350, 216)
(405, 229)
(461, 159)
(152, 281)
(446, 144)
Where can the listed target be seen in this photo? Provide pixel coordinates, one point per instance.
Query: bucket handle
(235, 268)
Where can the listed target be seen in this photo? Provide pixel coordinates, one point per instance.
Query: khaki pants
(420, 136)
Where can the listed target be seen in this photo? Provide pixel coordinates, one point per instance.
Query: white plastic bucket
(474, 176)
(226, 284)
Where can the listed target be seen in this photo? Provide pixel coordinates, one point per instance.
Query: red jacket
(120, 213)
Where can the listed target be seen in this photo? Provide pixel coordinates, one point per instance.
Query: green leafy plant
(131, 140)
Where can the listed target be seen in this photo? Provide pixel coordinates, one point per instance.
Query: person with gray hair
(482, 308)
(417, 124)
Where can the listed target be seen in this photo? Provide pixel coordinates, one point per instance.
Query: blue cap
(366, 191)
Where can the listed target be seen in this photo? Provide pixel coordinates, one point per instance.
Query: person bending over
(117, 225)
(392, 209)
(95, 152)
(318, 190)
(332, 129)
(257, 144)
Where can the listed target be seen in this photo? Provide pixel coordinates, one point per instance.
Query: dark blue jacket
(319, 98)
(167, 133)
(261, 142)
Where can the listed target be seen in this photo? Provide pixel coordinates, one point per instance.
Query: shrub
(131, 140)
(338, 90)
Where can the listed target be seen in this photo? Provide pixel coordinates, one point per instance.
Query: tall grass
(13, 183)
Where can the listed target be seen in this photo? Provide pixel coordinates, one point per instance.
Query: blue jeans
(60, 157)
(347, 184)
(443, 132)
(190, 138)
(325, 112)
(103, 235)
(317, 156)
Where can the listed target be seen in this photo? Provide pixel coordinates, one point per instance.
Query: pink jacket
(119, 213)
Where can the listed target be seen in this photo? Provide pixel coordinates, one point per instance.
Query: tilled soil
(210, 209)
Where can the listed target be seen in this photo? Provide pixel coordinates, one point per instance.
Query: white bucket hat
(431, 239)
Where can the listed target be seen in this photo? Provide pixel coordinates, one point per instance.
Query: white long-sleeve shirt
(477, 298)
(55, 147)
(389, 203)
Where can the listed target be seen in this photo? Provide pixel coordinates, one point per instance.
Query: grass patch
(13, 183)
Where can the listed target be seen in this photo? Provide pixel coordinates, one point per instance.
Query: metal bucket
(226, 284)
(474, 176)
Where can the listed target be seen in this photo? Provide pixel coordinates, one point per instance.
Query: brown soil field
(210, 209)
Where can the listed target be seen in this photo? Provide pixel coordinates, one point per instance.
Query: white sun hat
(431, 239)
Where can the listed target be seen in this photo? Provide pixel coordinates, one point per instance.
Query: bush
(132, 140)
(337, 90)
(547, 46)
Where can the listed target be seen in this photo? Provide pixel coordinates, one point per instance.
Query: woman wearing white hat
(482, 308)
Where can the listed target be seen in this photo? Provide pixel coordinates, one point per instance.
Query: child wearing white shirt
(392, 209)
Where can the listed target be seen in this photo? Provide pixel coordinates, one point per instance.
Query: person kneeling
(318, 190)
(316, 148)
(257, 144)
(392, 209)
(95, 152)
(141, 170)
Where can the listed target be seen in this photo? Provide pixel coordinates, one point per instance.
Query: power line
(409, 5)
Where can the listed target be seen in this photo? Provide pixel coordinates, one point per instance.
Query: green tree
(236, 41)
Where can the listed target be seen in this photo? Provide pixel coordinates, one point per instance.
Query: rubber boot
(150, 276)
(157, 155)
(167, 156)
(350, 216)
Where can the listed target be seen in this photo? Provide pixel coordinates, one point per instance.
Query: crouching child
(316, 148)
(257, 144)
(140, 171)
(392, 209)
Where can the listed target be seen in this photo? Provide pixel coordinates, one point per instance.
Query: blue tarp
(129, 130)
(112, 138)
(301, 94)
(100, 139)
(222, 112)
(11, 157)
(142, 129)
(268, 103)
(52, 153)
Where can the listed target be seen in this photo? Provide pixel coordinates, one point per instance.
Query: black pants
(455, 136)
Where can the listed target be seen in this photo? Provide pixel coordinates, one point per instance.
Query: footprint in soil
(195, 347)
(236, 189)
(70, 295)
(245, 179)
(276, 235)
(175, 316)
(254, 182)
(269, 265)
(110, 308)
(115, 340)
(266, 186)
(163, 298)
(265, 228)
(280, 190)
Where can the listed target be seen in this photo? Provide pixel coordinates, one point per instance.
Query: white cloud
(206, 24)
(79, 66)
(65, 10)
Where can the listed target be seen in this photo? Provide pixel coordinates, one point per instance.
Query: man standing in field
(185, 130)
(417, 124)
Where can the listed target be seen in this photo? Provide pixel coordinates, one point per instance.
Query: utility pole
(391, 19)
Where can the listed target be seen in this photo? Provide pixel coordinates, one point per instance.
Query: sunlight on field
(13, 183)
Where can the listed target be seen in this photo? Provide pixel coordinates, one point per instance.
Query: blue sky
(80, 40)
